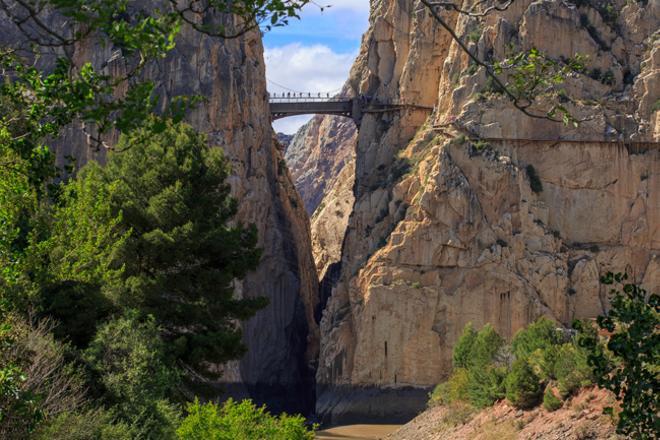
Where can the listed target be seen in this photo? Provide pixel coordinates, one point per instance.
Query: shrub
(127, 356)
(36, 381)
(240, 421)
(628, 364)
(461, 354)
(572, 369)
(485, 385)
(95, 424)
(534, 180)
(539, 335)
(486, 345)
(523, 386)
(454, 389)
(550, 401)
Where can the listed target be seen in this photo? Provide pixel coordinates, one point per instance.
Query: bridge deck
(281, 109)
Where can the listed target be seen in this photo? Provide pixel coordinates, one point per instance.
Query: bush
(95, 424)
(550, 401)
(486, 345)
(523, 386)
(461, 354)
(36, 381)
(455, 389)
(127, 357)
(572, 370)
(240, 421)
(541, 334)
(486, 385)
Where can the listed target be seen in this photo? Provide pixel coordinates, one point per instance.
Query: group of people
(294, 95)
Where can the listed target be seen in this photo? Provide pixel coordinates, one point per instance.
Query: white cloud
(308, 69)
(291, 124)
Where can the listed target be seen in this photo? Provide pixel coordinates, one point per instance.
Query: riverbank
(357, 432)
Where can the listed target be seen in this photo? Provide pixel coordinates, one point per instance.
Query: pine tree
(168, 246)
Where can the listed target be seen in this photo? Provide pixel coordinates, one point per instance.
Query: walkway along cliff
(475, 212)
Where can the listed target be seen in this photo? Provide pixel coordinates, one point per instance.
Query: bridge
(306, 103)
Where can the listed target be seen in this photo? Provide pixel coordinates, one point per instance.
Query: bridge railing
(310, 97)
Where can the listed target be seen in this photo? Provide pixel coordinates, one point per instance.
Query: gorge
(451, 204)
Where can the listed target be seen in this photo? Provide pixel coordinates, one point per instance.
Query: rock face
(321, 158)
(318, 153)
(446, 228)
(282, 339)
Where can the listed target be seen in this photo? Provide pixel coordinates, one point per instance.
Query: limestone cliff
(321, 158)
(467, 210)
(282, 339)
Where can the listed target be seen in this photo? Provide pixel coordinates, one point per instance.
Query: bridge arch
(282, 107)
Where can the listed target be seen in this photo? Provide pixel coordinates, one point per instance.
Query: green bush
(523, 386)
(240, 421)
(453, 390)
(486, 385)
(550, 401)
(572, 369)
(127, 356)
(541, 334)
(95, 424)
(485, 347)
(461, 354)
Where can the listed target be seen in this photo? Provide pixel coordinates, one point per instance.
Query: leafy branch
(523, 91)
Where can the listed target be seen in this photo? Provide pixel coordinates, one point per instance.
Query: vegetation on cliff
(548, 364)
(116, 282)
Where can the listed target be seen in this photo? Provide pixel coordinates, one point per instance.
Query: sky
(314, 54)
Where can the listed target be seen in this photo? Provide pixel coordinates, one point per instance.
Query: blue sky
(314, 54)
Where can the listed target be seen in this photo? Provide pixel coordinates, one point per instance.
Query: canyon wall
(282, 339)
(467, 210)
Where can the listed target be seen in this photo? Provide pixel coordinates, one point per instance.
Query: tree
(627, 363)
(461, 353)
(523, 386)
(128, 358)
(153, 228)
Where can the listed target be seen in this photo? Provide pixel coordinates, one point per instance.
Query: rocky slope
(283, 338)
(466, 210)
(580, 418)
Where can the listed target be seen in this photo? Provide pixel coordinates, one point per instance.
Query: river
(356, 432)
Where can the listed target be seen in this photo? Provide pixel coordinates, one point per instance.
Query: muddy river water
(356, 432)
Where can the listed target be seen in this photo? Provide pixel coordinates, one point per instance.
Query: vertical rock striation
(466, 210)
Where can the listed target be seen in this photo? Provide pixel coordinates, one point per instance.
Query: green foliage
(453, 390)
(485, 385)
(523, 386)
(96, 424)
(541, 334)
(485, 347)
(461, 354)
(534, 180)
(36, 380)
(627, 364)
(128, 357)
(240, 421)
(550, 401)
(571, 369)
(531, 75)
(161, 209)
